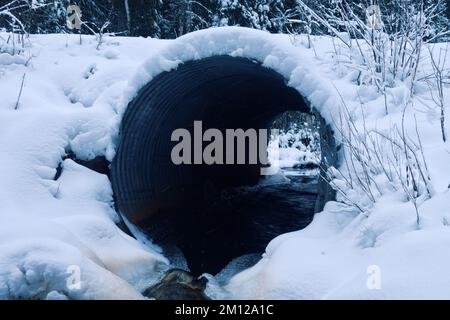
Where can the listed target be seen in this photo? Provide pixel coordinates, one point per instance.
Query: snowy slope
(73, 97)
(46, 226)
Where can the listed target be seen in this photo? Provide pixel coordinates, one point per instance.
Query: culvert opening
(211, 213)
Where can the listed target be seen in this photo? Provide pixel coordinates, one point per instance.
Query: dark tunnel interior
(195, 207)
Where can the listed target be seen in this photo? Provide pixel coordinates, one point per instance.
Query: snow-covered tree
(258, 14)
(177, 17)
(398, 15)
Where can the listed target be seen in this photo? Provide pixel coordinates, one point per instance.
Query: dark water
(244, 220)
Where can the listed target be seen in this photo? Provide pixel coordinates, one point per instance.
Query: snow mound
(52, 226)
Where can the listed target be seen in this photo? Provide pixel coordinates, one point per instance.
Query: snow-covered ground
(50, 228)
(54, 233)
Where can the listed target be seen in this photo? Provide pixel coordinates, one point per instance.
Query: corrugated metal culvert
(187, 205)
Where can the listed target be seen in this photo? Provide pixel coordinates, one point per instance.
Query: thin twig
(20, 92)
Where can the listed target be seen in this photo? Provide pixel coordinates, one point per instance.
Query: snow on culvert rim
(273, 51)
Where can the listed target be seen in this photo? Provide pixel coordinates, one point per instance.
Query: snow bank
(289, 149)
(49, 228)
